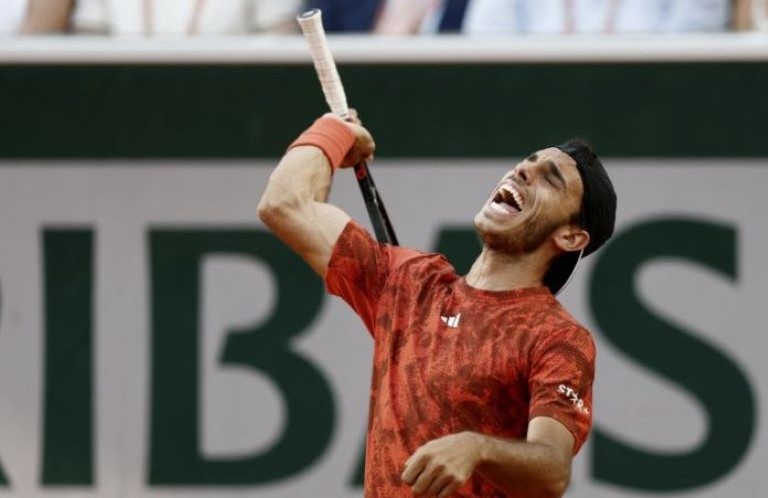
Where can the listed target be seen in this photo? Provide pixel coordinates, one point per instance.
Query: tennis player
(482, 384)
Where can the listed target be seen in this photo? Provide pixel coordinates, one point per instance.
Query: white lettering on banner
(121, 202)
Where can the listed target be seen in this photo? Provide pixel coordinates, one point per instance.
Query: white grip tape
(312, 26)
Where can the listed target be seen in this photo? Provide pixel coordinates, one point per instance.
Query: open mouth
(507, 200)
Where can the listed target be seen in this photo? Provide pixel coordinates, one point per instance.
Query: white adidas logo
(451, 321)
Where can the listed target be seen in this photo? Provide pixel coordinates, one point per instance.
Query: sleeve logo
(573, 396)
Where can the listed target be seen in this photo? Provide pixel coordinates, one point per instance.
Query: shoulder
(556, 319)
(413, 269)
(416, 260)
(355, 242)
(559, 329)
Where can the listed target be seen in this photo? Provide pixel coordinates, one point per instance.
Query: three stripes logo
(451, 321)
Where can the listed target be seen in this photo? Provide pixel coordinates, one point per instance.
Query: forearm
(302, 176)
(300, 181)
(524, 468)
(293, 206)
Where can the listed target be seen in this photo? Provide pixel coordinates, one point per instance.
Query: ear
(571, 238)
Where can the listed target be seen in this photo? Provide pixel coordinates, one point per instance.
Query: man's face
(540, 194)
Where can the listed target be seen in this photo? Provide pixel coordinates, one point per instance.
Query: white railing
(382, 50)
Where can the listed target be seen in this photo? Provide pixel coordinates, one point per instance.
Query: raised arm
(294, 204)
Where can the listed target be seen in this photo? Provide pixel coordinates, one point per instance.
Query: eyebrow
(532, 158)
(553, 170)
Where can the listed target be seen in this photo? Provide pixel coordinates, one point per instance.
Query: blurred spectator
(396, 17)
(186, 17)
(596, 16)
(750, 14)
(391, 17)
(741, 18)
(12, 14)
(35, 16)
(347, 15)
(401, 17)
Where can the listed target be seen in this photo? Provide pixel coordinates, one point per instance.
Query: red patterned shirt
(450, 358)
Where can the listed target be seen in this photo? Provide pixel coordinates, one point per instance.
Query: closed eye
(554, 176)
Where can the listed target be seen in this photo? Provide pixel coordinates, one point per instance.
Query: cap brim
(561, 271)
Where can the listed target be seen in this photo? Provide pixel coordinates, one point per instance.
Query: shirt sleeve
(560, 381)
(357, 271)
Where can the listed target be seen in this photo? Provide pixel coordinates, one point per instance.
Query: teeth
(518, 198)
(515, 194)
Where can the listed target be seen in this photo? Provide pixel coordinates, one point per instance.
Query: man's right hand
(363, 148)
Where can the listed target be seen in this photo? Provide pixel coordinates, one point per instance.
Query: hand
(363, 148)
(443, 465)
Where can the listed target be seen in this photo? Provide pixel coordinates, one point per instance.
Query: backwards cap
(598, 211)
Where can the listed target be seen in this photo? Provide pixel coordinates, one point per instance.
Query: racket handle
(311, 24)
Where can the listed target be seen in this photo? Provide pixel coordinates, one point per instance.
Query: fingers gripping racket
(312, 26)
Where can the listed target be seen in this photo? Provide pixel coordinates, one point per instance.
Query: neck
(496, 271)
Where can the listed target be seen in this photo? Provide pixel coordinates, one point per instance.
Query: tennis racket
(312, 26)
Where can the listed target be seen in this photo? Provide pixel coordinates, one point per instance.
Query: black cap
(598, 211)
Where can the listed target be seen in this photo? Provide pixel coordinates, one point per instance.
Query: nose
(525, 172)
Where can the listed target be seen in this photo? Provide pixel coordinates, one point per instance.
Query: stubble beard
(526, 240)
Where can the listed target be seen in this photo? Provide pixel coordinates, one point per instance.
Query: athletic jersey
(450, 358)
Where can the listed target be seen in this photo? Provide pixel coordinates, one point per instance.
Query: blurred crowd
(385, 17)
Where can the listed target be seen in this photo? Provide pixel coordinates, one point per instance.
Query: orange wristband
(331, 136)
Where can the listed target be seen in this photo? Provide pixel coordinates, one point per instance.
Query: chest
(445, 345)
